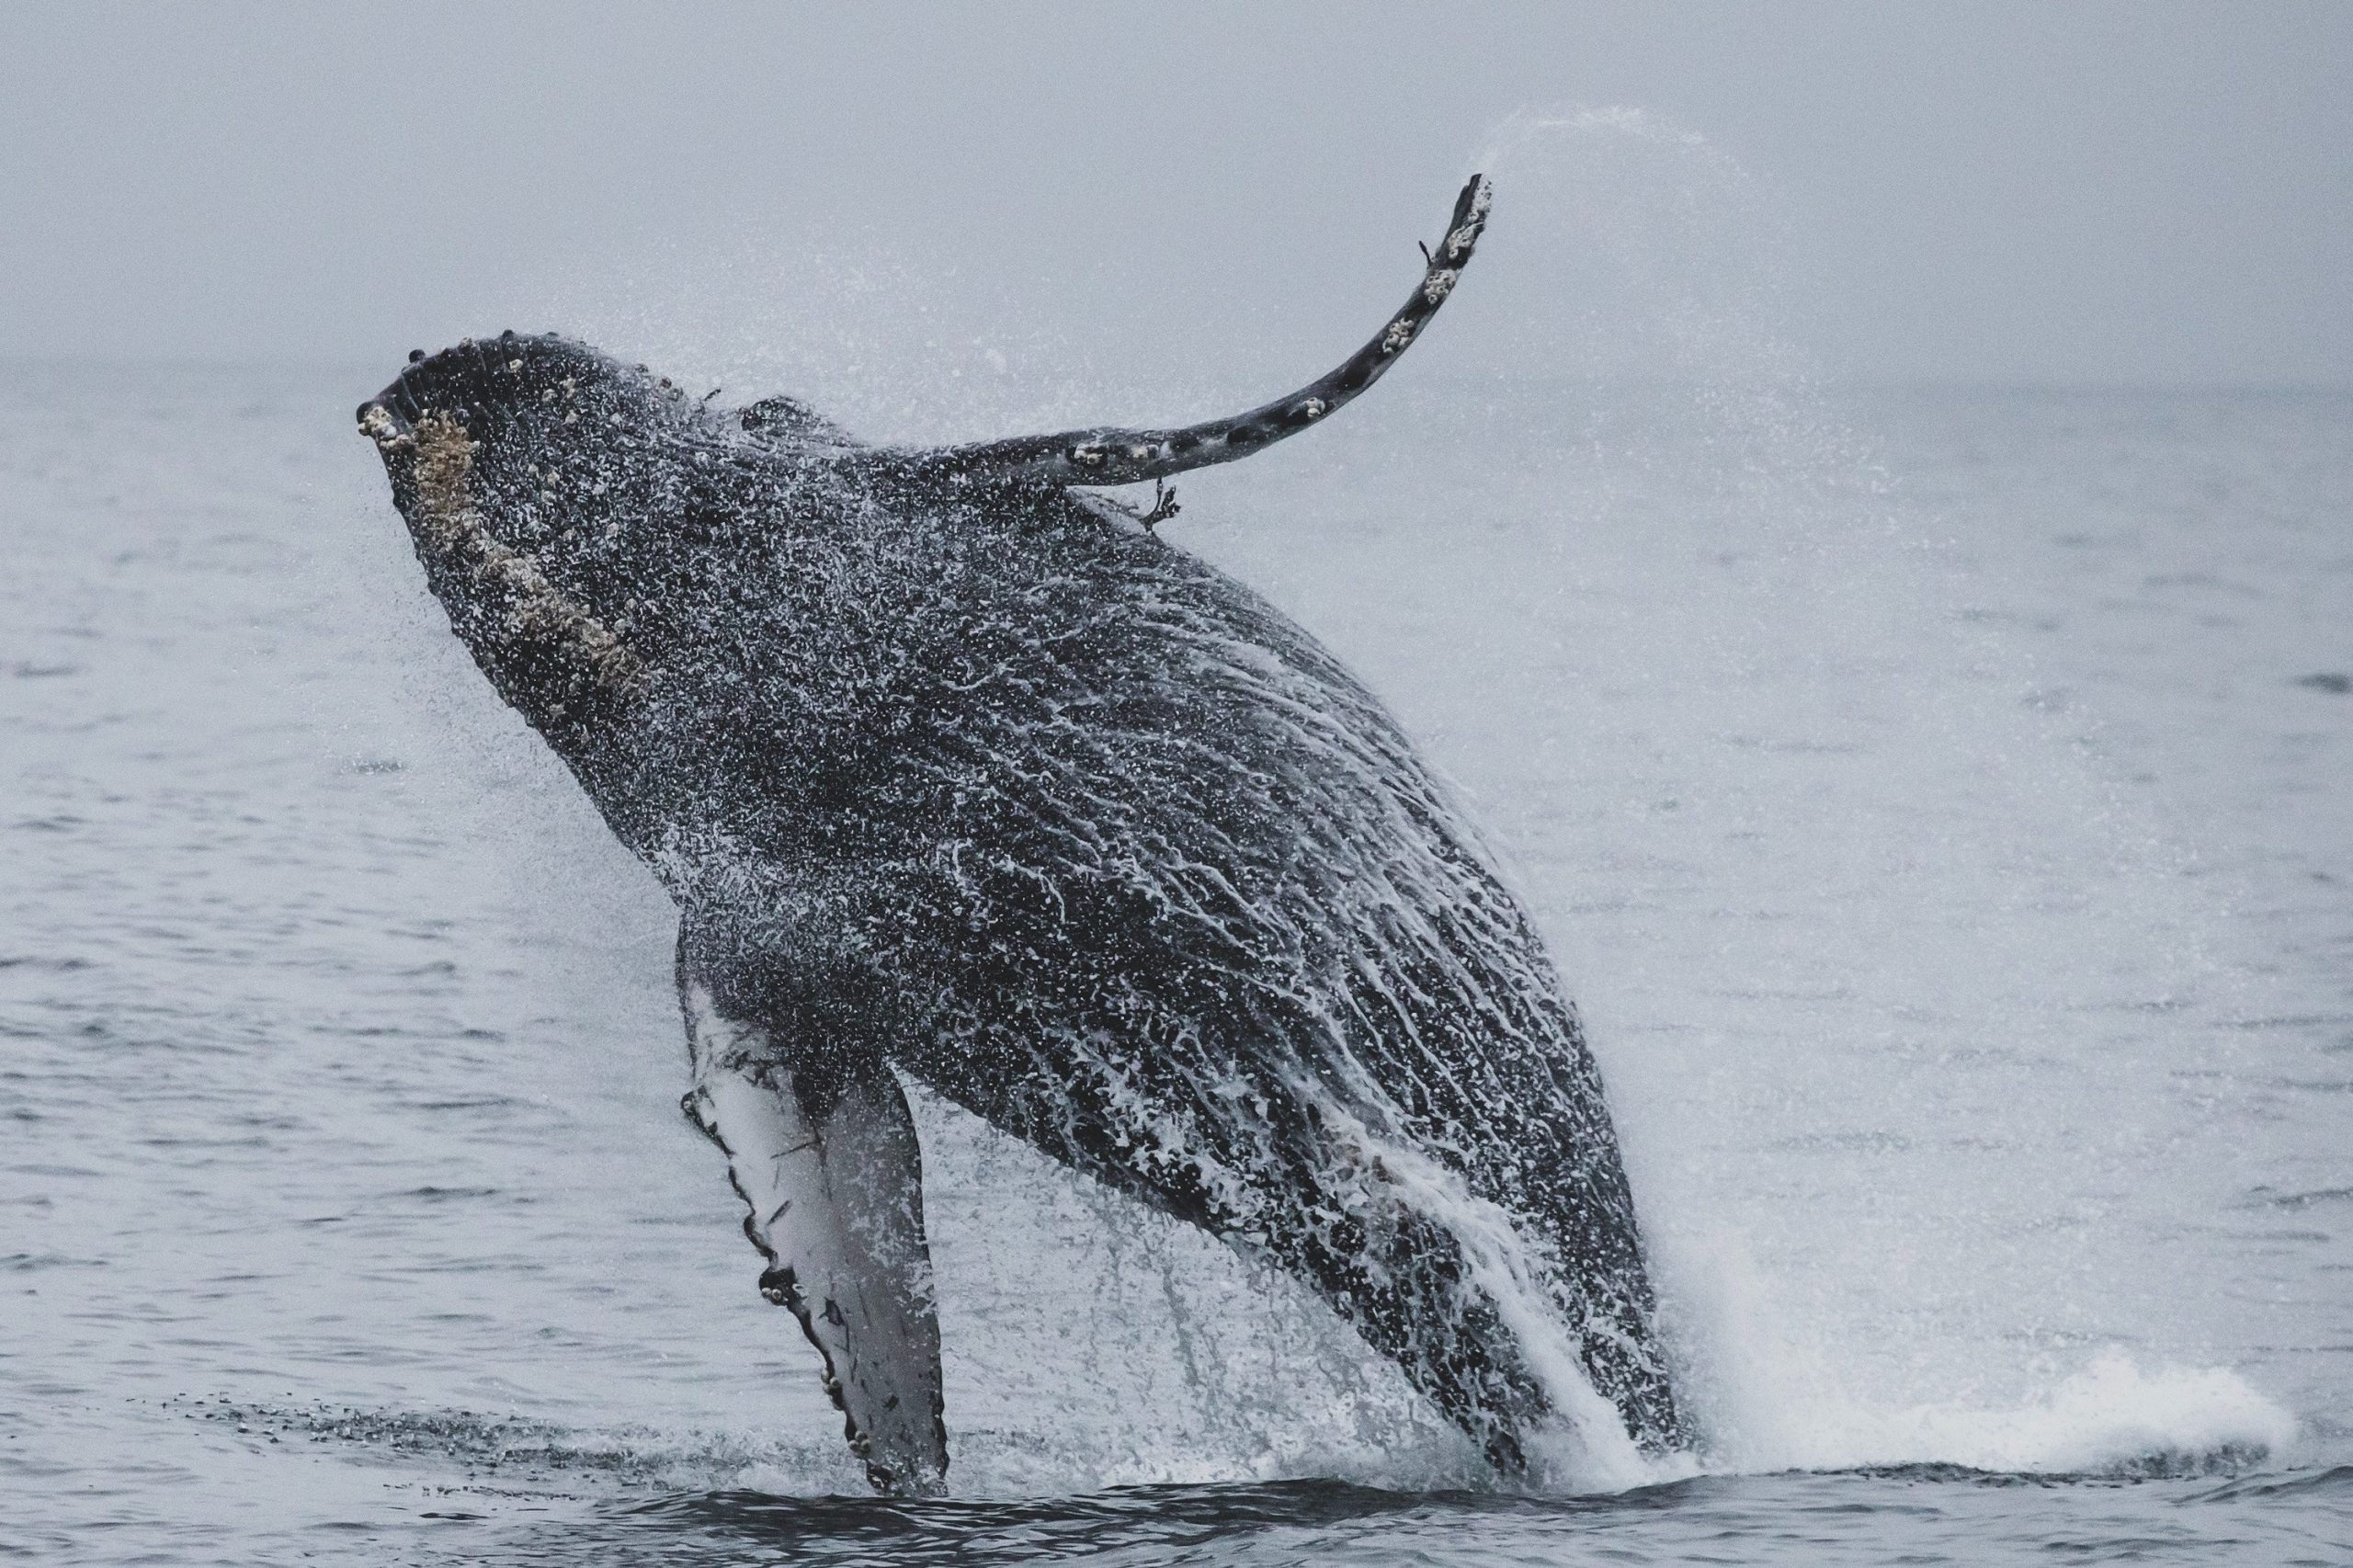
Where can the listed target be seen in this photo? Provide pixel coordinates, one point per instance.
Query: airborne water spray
(1896, 998)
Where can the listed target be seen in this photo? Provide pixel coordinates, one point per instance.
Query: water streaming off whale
(1950, 879)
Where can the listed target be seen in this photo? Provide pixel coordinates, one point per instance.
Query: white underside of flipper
(834, 1200)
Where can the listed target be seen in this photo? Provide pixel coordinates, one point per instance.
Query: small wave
(39, 961)
(1126, 1519)
(2335, 1482)
(525, 1449)
(31, 1262)
(2272, 1198)
(430, 1194)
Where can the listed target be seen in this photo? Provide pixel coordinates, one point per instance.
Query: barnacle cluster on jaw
(1312, 408)
(379, 426)
(1400, 333)
(445, 460)
(1461, 241)
(1438, 284)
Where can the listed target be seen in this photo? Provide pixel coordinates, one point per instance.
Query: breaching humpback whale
(956, 771)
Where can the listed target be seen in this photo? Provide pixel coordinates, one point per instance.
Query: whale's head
(539, 442)
(537, 476)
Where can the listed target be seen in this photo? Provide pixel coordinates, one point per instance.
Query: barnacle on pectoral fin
(531, 609)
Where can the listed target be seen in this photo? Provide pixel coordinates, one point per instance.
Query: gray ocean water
(1936, 801)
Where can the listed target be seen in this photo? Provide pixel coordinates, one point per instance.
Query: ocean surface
(1937, 802)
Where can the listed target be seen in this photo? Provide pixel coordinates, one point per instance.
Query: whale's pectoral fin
(1106, 455)
(822, 1151)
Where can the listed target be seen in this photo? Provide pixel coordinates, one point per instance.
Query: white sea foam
(1776, 1395)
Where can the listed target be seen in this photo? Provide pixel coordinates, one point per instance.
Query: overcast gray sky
(2035, 192)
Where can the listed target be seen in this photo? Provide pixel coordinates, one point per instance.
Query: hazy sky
(2077, 192)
